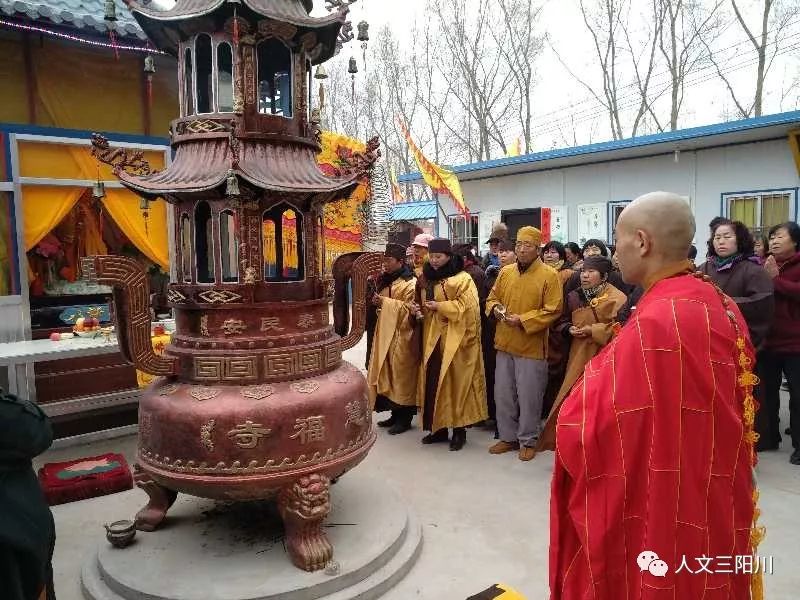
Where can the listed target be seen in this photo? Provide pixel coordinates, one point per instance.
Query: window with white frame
(761, 210)
(462, 232)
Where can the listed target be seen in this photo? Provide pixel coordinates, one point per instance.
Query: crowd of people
(655, 380)
(498, 341)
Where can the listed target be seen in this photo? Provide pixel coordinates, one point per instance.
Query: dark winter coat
(27, 532)
(784, 336)
(749, 285)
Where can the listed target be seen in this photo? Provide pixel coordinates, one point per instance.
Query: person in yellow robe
(589, 321)
(451, 385)
(526, 299)
(393, 361)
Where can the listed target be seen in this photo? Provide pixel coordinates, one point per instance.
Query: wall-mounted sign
(558, 224)
(592, 222)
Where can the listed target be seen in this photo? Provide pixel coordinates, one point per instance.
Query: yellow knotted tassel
(757, 586)
(757, 535)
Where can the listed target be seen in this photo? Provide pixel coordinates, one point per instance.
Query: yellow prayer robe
(536, 296)
(455, 328)
(394, 363)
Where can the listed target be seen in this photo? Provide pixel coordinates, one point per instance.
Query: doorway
(515, 219)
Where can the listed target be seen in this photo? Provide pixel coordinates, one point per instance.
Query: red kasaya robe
(651, 455)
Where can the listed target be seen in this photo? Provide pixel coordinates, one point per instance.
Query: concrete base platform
(209, 550)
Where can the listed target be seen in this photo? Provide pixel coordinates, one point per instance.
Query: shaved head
(653, 232)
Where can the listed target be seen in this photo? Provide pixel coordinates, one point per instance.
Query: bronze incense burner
(254, 400)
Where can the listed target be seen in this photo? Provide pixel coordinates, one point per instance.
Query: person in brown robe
(589, 321)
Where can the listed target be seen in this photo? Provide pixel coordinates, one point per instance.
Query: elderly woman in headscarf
(588, 322)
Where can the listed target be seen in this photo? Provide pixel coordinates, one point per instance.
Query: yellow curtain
(43, 207)
(744, 210)
(150, 237)
(774, 209)
(66, 161)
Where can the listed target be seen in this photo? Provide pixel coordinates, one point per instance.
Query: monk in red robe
(652, 494)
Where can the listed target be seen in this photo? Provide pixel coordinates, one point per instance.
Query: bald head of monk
(653, 232)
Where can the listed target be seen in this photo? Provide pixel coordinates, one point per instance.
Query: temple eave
(167, 186)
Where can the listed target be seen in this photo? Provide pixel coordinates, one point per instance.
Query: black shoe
(435, 438)
(795, 458)
(388, 422)
(400, 426)
(459, 439)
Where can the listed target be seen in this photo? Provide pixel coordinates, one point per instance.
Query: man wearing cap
(451, 385)
(526, 299)
(420, 246)
(393, 362)
(499, 234)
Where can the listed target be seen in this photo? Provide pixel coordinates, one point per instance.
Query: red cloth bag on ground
(85, 478)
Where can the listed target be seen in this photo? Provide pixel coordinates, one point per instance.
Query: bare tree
(682, 40)
(643, 64)
(465, 81)
(520, 46)
(775, 17)
(477, 72)
(617, 54)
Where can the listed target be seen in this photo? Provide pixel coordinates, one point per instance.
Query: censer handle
(131, 310)
(365, 266)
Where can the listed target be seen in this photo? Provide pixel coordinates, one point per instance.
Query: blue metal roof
(413, 211)
(786, 118)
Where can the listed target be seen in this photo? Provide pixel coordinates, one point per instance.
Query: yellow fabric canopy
(45, 206)
(67, 161)
(151, 239)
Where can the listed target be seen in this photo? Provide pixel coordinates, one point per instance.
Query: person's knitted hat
(422, 240)
(395, 251)
(441, 245)
(499, 233)
(529, 234)
(409, 251)
(598, 263)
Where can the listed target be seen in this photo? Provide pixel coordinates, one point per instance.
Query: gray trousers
(519, 385)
